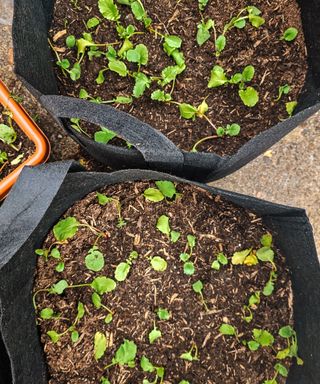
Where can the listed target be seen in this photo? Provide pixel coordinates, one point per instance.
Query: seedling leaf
(158, 264)
(94, 259)
(227, 329)
(249, 96)
(265, 254)
(163, 225)
(66, 228)
(102, 284)
(126, 353)
(109, 10)
(218, 77)
(167, 188)
(100, 345)
(122, 271)
(163, 314)
(153, 194)
(154, 335)
(290, 34)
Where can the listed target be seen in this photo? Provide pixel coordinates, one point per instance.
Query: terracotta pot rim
(31, 130)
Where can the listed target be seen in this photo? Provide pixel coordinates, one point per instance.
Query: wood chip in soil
(218, 226)
(276, 63)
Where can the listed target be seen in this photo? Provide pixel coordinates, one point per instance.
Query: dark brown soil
(276, 63)
(23, 146)
(218, 226)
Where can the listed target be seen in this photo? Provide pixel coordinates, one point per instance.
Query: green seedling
(184, 382)
(164, 190)
(100, 284)
(3, 158)
(71, 41)
(138, 11)
(125, 355)
(104, 380)
(290, 34)
(203, 33)
(83, 94)
(260, 338)
(188, 266)
(104, 136)
(154, 335)
(269, 287)
(123, 269)
(158, 263)
(230, 130)
(48, 314)
(221, 259)
(60, 267)
(190, 112)
(163, 225)
(92, 23)
(139, 55)
(109, 10)
(228, 330)
(52, 251)
(191, 355)
(160, 95)
(74, 334)
(75, 124)
(8, 134)
(279, 370)
(126, 32)
(249, 14)
(65, 65)
(147, 366)
(198, 288)
(67, 228)
(163, 314)
(100, 345)
(202, 4)
(288, 333)
(94, 260)
(283, 90)
(97, 302)
(248, 95)
(290, 107)
(104, 200)
(169, 75)
(142, 83)
(254, 301)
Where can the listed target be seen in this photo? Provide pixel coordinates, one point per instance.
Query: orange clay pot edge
(33, 132)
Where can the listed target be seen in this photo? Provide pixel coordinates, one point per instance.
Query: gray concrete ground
(289, 173)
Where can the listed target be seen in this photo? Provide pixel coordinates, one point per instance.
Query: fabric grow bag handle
(158, 151)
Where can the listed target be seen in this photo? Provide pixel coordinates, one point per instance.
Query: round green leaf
(94, 259)
(122, 271)
(158, 264)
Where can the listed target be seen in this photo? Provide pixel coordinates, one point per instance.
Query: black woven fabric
(43, 194)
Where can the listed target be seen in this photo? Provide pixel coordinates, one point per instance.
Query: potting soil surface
(276, 62)
(218, 226)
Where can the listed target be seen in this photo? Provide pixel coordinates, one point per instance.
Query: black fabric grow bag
(25, 219)
(34, 64)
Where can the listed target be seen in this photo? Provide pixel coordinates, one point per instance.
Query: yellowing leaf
(251, 260)
(238, 258)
